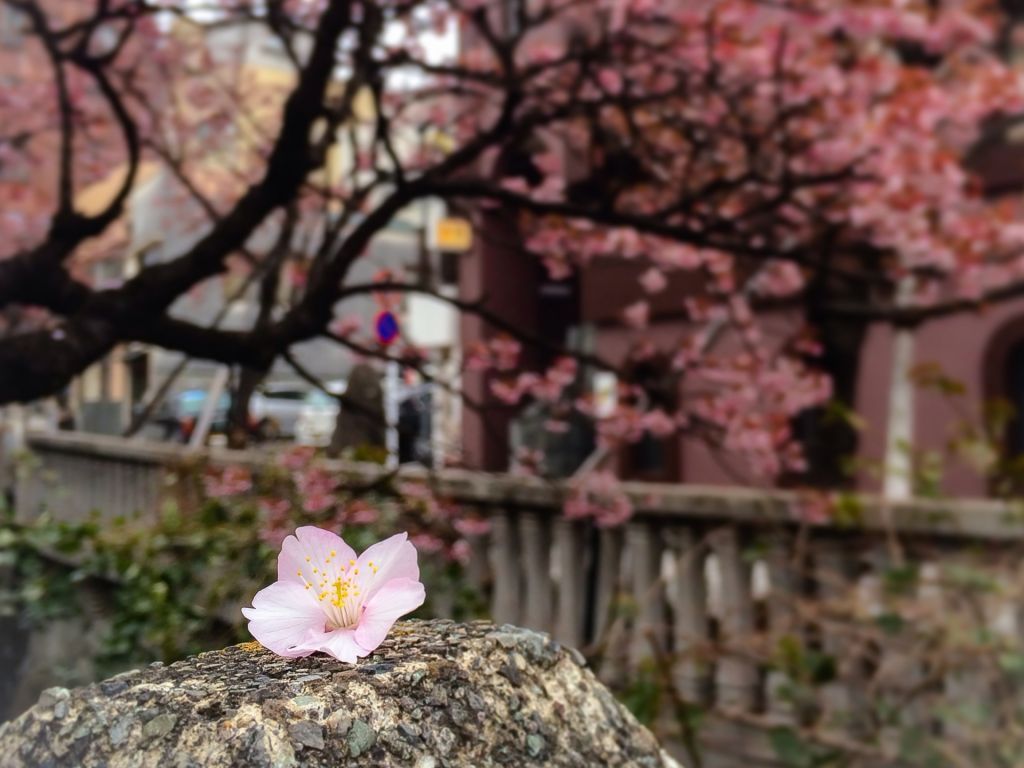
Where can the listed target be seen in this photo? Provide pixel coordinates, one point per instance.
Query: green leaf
(790, 749)
(891, 623)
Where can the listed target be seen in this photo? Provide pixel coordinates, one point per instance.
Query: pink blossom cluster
(232, 480)
(317, 487)
(814, 507)
(547, 387)
(880, 168)
(276, 514)
(751, 403)
(598, 496)
(500, 353)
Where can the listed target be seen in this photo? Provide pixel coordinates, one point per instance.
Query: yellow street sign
(453, 235)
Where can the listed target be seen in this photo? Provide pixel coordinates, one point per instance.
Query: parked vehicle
(179, 414)
(318, 416)
(276, 409)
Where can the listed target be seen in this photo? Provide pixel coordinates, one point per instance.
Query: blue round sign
(387, 327)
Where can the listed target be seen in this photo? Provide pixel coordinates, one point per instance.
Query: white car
(318, 415)
(276, 410)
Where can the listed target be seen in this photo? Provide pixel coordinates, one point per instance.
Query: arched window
(1003, 402)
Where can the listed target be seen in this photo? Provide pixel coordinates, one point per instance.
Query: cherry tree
(798, 159)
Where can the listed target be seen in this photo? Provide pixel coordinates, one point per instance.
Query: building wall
(498, 274)
(968, 348)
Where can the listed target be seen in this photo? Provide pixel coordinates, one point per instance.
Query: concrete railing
(695, 568)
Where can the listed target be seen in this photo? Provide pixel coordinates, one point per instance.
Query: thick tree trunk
(239, 426)
(831, 440)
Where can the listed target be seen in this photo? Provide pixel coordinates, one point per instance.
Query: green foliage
(171, 583)
(847, 509)
(804, 665)
(901, 580)
(796, 752)
(930, 376)
(644, 695)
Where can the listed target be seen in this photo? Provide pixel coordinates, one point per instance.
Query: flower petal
(282, 616)
(392, 601)
(339, 643)
(310, 554)
(393, 558)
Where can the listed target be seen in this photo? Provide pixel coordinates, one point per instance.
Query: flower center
(338, 591)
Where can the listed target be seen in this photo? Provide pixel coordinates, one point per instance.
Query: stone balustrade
(713, 579)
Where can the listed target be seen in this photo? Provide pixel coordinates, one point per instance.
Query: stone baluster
(610, 631)
(572, 563)
(506, 596)
(535, 548)
(972, 701)
(95, 477)
(156, 479)
(608, 580)
(784, 590)
(478, 569)
(843, 701)
(645, 549)
(691, 629)
(736, 679)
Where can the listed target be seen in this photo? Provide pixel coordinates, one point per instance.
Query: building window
(11, 26)
(1015, 395)
(510, 14)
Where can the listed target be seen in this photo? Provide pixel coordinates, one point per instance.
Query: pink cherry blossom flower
(659, 423)
(327, 599)
(506, 352)
(653, 280)
(610, 80)
(507, 393)
(428, 542)
(231, 481)
(297, 458)
(361, 513)
(637, 315)
(598, 495)
(346, 326)
(473, 526)
(461, 552)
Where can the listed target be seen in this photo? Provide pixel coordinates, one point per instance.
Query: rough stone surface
(436, 694)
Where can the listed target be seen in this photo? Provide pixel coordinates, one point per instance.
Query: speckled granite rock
(435, 694)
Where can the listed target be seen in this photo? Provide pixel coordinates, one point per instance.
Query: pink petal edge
(395, 558)
(282, 616)
(316, 544)
(392, 601)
